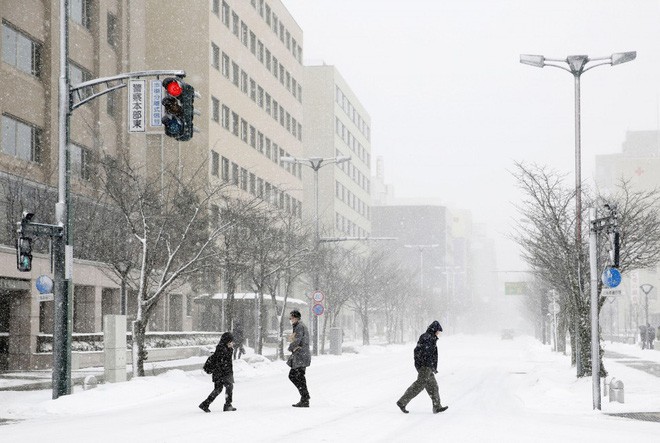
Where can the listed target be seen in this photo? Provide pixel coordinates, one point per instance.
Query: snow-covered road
(497, 390)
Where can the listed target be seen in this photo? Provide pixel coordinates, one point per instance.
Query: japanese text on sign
(136, 102)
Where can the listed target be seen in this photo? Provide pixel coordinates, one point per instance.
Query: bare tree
(546, 235)
(168, 218)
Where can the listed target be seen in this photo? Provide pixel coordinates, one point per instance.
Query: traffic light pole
(70, 98)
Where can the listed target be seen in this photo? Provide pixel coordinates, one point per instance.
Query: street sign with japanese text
(136, 105)
(155, 103)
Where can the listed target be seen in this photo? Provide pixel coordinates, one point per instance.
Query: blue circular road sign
(611, 277)
(44, 284)
(318, 309)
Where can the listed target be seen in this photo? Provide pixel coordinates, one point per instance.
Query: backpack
(209, 365)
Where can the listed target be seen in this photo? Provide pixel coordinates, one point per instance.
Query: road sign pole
(595, 354)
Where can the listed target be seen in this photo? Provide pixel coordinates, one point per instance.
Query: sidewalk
(35, 380)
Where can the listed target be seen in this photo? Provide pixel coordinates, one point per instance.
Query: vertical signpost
(136, 106)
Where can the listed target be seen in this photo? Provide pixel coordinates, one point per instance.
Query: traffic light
(24, 254)
(178, 108)
(615, 260)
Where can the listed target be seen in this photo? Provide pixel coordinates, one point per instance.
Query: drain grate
(644, 416)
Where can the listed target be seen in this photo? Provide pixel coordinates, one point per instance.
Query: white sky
(497, 391)
(451, 106)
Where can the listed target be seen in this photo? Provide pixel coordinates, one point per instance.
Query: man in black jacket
(223, 373)
(426, 363)
(300, 358)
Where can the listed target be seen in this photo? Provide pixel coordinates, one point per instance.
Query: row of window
(231, 172)
(354, 173)
(257, 94)
(24, 141)
(249, 39)
(278, 28)
(238, 126)
(349, 139)
(346, 196)
(348, 227)
(345, 104)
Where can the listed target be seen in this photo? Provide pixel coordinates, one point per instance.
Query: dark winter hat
(434, 327)
(226, 338)
(296, 313)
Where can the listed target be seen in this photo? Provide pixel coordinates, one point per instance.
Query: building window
(225, 13)
(244, 179)
(235, 73)
(215, 163)
(20, 51)
(216, 7)
(80, 12)
(234, 123)
(244, 131)
(113, 31)
(225, 117)
(253, 184)
(78, 75)
(225, 169)
(225, 65)
(253, 137)
(253, 43)
(244, 34)
(260, 97)
(234, 174)
(260, 51)
(253, 90)
(215, 56)
(81, 161)
(234, 23)
(216, 109)
(267, 14)
(244, 82)
(21, 140)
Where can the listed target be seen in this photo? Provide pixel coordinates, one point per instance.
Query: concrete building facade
(245, 60)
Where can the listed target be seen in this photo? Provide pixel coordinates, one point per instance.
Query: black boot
(402, 407)
(440, 409)
(302, 404)
(228, 407)
(204, 406)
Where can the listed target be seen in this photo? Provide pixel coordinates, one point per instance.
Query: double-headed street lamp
(577, 65)
(315, 163)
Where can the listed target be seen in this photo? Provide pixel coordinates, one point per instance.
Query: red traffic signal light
(178, 107)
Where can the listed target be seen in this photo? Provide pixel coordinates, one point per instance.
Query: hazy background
(452, 107)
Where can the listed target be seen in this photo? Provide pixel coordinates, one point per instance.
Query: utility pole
(63, 245)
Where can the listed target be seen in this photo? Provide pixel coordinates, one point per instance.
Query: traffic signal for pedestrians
(178, 109)
(24, 254)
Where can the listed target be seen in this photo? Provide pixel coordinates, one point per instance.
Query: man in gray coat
(300, 358)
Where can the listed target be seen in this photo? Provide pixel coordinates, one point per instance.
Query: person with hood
(300, 358)
(426, 363)
(223, 373)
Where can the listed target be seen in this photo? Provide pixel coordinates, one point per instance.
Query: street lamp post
(577, 65)
(315, 163)
(421, 249)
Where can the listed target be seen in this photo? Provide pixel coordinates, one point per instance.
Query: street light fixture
(577, 65)
(316, 163)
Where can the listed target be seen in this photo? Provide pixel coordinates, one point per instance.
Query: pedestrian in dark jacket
(300, 358)
(651, 332)
(238, 341)
(426, 363)
(223, 373)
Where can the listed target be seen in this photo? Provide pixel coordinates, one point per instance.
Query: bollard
(89, 382)
(616, 391)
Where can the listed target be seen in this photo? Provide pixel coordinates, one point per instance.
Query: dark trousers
(425, 380)
(229, 389)
(297, 377)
